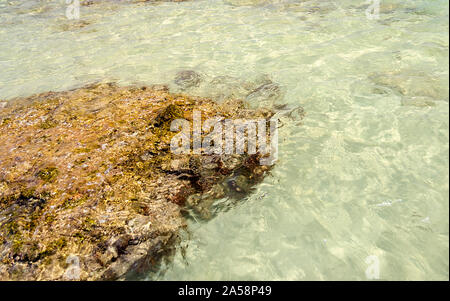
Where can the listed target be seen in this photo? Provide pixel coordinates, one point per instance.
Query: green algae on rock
(88, 174)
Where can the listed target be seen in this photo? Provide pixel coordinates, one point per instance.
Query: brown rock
(88, 186)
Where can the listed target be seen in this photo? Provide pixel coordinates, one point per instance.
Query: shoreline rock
(89, 189)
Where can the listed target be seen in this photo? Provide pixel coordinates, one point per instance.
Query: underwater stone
(265, 96)
(413, 83)
(187, 78)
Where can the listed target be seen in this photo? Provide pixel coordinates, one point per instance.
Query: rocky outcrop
(89, 188)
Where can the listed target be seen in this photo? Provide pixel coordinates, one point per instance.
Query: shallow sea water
(364, 175)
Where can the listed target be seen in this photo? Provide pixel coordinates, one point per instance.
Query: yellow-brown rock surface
(83, 174)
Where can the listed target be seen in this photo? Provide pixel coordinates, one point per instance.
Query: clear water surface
(364, 174)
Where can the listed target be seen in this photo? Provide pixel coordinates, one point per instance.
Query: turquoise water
(365, 173)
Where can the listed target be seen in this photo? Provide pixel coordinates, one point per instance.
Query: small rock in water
(225, 87)
(265, 96)
(187, 79)
(3, 104)
(238, 184)
(70, 26)
(413, 83)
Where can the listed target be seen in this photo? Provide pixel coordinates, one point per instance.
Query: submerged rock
(187, 79)
(89, 188)
(257, 91)
(266, 95)
(74, 25)
(236, 178)
(416, 88)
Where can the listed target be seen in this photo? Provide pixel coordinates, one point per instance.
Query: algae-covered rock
(89, 188)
